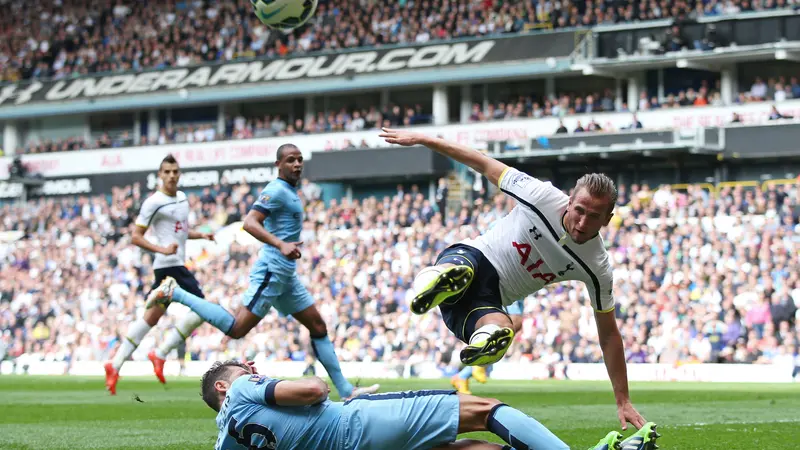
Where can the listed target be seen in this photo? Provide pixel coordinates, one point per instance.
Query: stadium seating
(692, 278)
(530, 106)
(78, 37)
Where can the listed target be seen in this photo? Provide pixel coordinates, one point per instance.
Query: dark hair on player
(169, 159)
(283, 149)
(218, 371)
(599, 185)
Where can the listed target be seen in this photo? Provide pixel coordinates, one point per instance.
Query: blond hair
(598, 185)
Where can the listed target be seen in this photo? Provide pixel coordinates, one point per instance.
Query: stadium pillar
(384, 100)
(466, 102)
(550, 88)
(636, 85)
(10, 138)
(729, 84)
(221, 119)
(660, 85)
(137, 127)
(152, 125)
(618, 95)
(441, 114)
(309, 109)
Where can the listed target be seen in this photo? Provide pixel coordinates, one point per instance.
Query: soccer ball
(284, 15)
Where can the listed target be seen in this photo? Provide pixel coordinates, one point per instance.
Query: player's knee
(318, 329)
(237, 332)
(475, 411)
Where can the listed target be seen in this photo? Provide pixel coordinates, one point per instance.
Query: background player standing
(276, 219)
(548, 237)
(166, 211)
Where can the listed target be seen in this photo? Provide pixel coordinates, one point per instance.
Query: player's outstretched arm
(491, 168)
(254, 225)
(308, 391)
(614, 356)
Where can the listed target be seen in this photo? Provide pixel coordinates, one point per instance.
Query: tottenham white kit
(168, 218)
(529, 248)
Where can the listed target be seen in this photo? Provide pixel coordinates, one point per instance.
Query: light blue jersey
(417, 420)
(273, 282)
(249, 419)
(281, 204)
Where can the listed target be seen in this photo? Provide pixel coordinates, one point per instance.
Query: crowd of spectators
(69, 38)
(698, 278)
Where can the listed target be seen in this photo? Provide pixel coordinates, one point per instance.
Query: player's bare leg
(493, 336)
(323, 349)
(432, 288)
(133, 337)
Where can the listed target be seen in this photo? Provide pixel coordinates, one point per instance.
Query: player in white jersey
(548, 237)
(166, 213)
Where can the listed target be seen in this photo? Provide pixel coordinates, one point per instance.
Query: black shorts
(181, 274)
(482, 297)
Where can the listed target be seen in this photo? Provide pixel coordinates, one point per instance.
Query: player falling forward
(276, 219)
(167, 213)
(547, 238)
(257, 412)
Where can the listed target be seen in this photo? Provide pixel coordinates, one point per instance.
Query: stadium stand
(75, 37)
(747, 311)
(240, 127)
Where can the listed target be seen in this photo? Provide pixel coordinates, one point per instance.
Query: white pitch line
(729, 422)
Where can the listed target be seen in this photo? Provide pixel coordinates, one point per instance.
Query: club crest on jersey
(521, 180)
(257, 379)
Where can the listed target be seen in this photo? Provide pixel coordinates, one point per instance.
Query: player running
(167, 213)
(548, 237)
(258, 412)
(276, 219)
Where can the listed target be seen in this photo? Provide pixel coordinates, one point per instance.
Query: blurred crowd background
(698, 278)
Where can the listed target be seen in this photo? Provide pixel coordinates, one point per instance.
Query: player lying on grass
(276, 219)
(258, 412)
(547, 238)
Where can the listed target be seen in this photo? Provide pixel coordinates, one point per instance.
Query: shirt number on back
(250, 431)
(524, 251)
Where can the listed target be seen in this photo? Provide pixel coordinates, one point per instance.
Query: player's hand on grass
(291, 250)
(628, 414)
(401, 137)
(171, 250)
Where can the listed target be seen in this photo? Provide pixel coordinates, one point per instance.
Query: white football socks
(179, 333)
(136, 332)
(483, 333)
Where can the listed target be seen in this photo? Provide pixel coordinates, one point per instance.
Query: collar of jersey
(287, 183)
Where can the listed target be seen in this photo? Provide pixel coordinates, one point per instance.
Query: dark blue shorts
(482, 297)
(181, 274)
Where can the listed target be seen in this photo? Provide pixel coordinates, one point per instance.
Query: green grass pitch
(76, 413)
